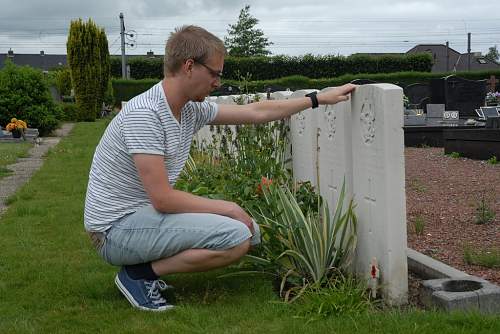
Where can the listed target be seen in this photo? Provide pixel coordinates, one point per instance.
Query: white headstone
(379, 186)
(281, 95)
(304, 133)
(335, 151)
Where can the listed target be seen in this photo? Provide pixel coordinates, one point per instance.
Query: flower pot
(16, 134)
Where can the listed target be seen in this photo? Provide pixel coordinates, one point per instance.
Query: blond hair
(190, 42)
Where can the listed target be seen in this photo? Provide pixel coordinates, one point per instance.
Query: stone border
(429, 268)
(24, 168)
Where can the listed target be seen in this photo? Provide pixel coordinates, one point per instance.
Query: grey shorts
(148, 235)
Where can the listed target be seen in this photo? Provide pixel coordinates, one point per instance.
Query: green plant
(339, 296)
(454, 155)
(484, 214)
(493, 160)
(419, 225)
(417, 185)
(483, 257)
(304, 250)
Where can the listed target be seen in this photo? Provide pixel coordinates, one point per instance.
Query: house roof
(42, 61)
(457, 61)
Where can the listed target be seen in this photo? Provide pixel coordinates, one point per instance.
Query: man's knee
(238, 251)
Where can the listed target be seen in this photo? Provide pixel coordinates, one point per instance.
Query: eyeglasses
(214, 73)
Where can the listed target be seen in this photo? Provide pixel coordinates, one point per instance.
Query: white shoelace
(154, 293)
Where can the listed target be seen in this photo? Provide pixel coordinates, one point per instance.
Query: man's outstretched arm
(265, 111)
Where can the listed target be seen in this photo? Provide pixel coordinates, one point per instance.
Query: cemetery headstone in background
(459, 94)
(226, 89)
(362, 81)
(416, 93)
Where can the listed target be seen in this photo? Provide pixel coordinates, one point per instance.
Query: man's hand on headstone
(337, 94)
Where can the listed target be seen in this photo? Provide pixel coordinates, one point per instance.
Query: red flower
(264, 181)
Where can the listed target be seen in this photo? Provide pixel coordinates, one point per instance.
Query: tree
(88, 59)
(104, 63)
(244, 40)
(493, 54)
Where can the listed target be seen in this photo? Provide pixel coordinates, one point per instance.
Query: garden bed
(442, 197)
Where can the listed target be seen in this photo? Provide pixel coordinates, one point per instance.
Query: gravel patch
(444, 193)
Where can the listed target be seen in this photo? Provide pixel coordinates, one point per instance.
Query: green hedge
(127, 89)
(124, 90)
(267, 68)
(399, 78)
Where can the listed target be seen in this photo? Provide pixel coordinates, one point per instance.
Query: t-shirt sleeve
(205, 113)
(142, 132)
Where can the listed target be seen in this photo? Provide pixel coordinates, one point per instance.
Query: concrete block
(468, 293)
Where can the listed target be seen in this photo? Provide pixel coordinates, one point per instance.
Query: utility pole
(447, 56)
(468, 51)
(124, 59)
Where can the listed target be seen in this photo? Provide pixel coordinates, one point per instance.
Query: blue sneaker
(142, 294)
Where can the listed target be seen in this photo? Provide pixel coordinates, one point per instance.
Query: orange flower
(16, 124)
(264, 181)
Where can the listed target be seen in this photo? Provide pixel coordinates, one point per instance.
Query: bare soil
(444, 192)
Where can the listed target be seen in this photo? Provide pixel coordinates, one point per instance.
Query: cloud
(295, 27)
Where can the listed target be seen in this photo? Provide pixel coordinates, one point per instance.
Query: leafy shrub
(63, 81)
(24, 94)
(46, 119)
(69, 112)
(305, 250)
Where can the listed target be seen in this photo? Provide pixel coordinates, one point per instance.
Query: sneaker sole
(134, 303)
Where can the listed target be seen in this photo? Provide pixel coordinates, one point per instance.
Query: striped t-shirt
(145, 125)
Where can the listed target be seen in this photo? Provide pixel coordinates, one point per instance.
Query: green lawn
(51, 279)
(9, 153)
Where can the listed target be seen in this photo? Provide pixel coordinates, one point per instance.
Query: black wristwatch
(314, 99)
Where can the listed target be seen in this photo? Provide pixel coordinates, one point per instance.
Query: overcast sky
(295, 27)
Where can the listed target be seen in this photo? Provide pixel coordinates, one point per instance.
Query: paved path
(24, 168)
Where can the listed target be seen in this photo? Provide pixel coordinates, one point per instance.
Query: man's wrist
(314, 99)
